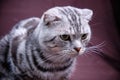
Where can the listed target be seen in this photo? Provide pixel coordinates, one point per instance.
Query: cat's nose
(77, 49)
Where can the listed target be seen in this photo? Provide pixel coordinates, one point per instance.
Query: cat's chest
(45, 76)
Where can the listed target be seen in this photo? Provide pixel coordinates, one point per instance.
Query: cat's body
(45, 48)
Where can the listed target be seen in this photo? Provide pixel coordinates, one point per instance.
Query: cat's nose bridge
(77, 45)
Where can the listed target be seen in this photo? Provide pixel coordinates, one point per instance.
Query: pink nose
(77, 49)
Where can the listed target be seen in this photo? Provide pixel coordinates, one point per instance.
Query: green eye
(83, 36)
(65, 37)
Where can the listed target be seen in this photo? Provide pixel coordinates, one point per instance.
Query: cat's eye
(83, 36)
(65, 37)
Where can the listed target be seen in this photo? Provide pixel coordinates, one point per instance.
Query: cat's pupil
(65, 37)
(84, 36)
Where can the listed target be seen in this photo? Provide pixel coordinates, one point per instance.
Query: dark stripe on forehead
(73, 16)
(70, 16)
(79, 20)
(78, 14)
(63, 12)
(76, 21)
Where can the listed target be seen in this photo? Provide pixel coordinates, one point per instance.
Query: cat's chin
(72, 55)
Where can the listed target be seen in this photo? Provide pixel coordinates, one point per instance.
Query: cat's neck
(45, 56)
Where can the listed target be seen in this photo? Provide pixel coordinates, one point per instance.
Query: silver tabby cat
(45, 48)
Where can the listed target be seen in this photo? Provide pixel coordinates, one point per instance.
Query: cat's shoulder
(24, 27)
(18, 34)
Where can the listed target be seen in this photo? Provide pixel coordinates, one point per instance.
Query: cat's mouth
(68, 53)
(74, 53)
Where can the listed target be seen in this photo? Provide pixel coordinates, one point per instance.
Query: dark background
(104, 25)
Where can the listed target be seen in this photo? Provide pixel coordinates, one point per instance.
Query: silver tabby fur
(34, 50)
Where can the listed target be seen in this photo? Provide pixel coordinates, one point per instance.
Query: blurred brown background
(104, 28)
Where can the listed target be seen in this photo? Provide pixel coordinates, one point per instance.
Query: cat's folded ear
(49, 19)
(87, 14)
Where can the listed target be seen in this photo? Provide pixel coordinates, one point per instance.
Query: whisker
(56, 58)
(48, 58)
(60, 58)
(95, 49)
(94, 24)
(96, 46)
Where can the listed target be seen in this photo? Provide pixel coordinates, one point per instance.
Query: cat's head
(64, 30)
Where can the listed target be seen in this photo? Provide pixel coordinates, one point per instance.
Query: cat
(45, 48)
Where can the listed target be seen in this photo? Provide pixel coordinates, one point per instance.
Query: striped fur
(33, 49)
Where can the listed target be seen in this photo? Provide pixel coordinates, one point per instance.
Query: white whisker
(95, 49)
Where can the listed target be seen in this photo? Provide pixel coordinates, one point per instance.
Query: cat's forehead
(64, 11)
(71, 19)
(71, 30)
(65, 30)
(69, 15)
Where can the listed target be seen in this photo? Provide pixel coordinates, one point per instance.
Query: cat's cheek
(55, 49)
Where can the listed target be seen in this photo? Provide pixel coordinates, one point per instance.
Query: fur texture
(45, 48)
